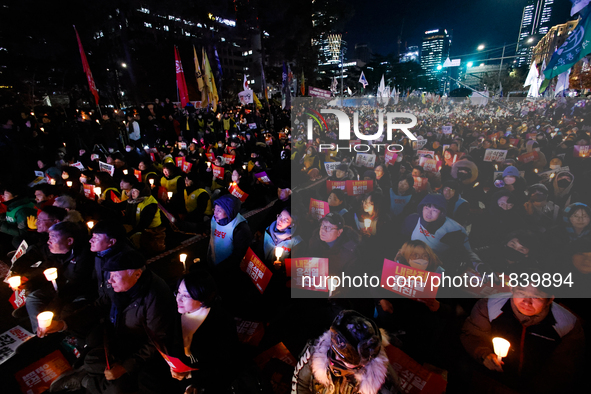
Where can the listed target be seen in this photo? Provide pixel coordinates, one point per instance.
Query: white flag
(532, 76)
(349, 91)
(563, 82)
(382, 87)
(363, 80)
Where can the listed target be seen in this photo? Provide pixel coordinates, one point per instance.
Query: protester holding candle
(142, 216)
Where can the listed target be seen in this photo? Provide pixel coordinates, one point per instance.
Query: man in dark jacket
(141, 307)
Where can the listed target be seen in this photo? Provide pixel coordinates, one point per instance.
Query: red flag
(91, 84)
(181, 85)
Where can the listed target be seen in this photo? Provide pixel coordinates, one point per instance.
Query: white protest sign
(446, 129)
(497, 155)
(330, 167)
(39, 173)
(12, 339)
(104, 167)
(365, 160)
(78, 165)
(245, 97)
(426, 153)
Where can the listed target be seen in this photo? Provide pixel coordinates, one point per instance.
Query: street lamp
(124, 65)
(439, 67)
(480, 47)
(470, 64)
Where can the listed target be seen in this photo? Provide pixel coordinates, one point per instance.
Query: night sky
(473, 22)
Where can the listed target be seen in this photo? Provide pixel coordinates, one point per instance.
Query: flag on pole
(576, 46)
(578, 5)
(217, 59)
(349, 91)
(382, 87)
(362, 80)
(199, 77)
(245, 83)
(212, 92)
(532, 75)
(181, 85)
(334, 85)
(285, 90)
(500, 89)
(303, 85)
(86, 68)
(256, 100)
(563, 82)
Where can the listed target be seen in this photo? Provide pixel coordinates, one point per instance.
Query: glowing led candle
(51, 275)
(14, 282)
(125, 172)
(69, 183)
(169, 195)
(501, 347)
(97, 191)
(183, 258)
(44, 319)
(367, 223)
(278, 253)
(90, 224)
(151, 182)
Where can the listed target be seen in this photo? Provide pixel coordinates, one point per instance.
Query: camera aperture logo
(372, 139)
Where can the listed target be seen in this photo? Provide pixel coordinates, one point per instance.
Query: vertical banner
(181, 85)
(86, 67)
(258, 272)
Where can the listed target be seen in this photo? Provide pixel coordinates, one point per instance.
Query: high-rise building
(535, 22)
(434, 51)
(410, 55)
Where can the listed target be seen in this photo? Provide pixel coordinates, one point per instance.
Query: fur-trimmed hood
(370, 378)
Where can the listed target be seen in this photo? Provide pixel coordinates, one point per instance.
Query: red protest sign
(187, 167)
(89, 191)
(179, 161)
(420, 183)
(218, 172)
(430, 165)
(37, 377)
(390, 157)
(152, 156)
(318, 209)
(514, 141)
(497, 155)
(310, 273)
(355, 188)
(249, 332)
(287, 262)
(175, 364)
(581, 151)
(210, 156)
(138, 175)
(263, 178)
(259, 274)
(229, 159)
(414, 378)
(18, 298)
(237, 192)
(528, 157)
(335, 185)
(279, 352)
(409, 282)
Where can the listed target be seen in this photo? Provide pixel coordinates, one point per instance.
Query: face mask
(419, 264)
(399, 159)
(563, 183)
(537, 149)
(128, 149)
(554, 166)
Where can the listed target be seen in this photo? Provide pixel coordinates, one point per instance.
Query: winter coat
(17, 211)
(342, 256)
(101, 259)
(312, 373)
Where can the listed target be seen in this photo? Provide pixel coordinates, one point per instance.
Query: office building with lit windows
(434, 51)
(535, 22)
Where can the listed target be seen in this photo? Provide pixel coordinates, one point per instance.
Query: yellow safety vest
(116, 192)
(191, 201)
(170, 185)
(156, 222)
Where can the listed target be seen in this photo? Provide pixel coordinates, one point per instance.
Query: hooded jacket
(312, 373)
(17, 211)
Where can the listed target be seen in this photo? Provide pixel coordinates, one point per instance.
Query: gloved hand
(32, 222)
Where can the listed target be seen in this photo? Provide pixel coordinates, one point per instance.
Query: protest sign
(514, 141)
(365, 160)
(430, 165)
(528, 157)
(89, 191)
(252, 126)
(581, 151)
(18, 298)
(314, 269)
(39, 173)
(218, 172)
(426, 153)
(237, 192)
(258, 272)
(109, 168)
(318, 209)
(413, 377)
(497, 155)
(182, 145)
(354, 188)
(210, 156)
(38, 181)
(187, 167)
(335, 185)
(420, 183)
(546, 175)
(263, 178)
(279, 352)
(390, 157)
(421, 143)
(94, 157)
(37, 377)
(245, 97)
(330, 167)
(315, 92)
(498, 174)
(138, 175)
(409, 282)
(178, 161)
(446, 129)
(12, 339)
(22, 249)
(229, 158)
(79, 166)
(249, 332)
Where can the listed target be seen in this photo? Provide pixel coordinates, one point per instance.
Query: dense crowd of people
(502, 188)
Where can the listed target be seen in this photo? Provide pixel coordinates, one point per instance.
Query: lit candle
(476, 184)
(278, 253)
(151, 182)
(51, 275)
(244, 167)
(90, 224)
(52, 181)
(183, 258)
(69, 183)
(14, 282)
(497, 167)
(208, 164)
(125, 172)
(536, 170)
(367, 223)
(97, 191)
(44, 319)
(169, 195)
(501, 347)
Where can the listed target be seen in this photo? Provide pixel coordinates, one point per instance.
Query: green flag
(576, 46)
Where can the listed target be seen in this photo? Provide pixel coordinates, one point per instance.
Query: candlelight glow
(125, 172)
(367, 223)
(183, 257)
(90, 224)
(97, 191)
(69, 183)
(50, 274)
(151, 182)
(278, 252)
(501, 347)
(14, 282)
(169, 194)
(44, 319)
(208, 164)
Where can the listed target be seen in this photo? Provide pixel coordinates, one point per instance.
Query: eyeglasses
(282, 219)
(328, 229)
(581, 217)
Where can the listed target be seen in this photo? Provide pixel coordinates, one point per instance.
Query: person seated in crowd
(143, 220)
(171, 179)
(545, 338)
(458, 209)
(445, 236)
(198, 204)
(44, 195)
(141, 309)
(540, 214)
(349, 357)
(74, 262)
(204, 337)
(342, 173)
(576, 224)
(125, 185)
(19, 207)
(513, 181)
(337, 202)
(69, 204)
(403, 197)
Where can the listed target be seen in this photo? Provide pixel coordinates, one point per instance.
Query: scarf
(432, 227)
(279, 236)
(190, 322)
(136, 201)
